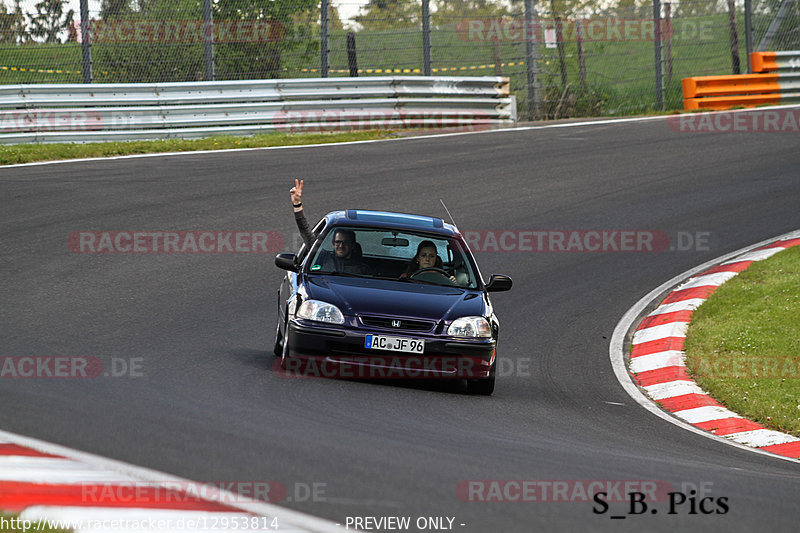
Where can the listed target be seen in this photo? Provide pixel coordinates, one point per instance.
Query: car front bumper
(329, 351)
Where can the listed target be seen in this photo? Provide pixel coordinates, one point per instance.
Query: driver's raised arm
(296, 193)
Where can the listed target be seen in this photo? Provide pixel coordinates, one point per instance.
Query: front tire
(284, 355)
(280, 336)
(278, 348)
(483, 386)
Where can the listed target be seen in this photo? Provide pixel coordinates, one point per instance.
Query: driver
(344, 257)
(426, 257)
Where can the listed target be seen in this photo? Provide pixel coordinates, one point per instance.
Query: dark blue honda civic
(387, 295)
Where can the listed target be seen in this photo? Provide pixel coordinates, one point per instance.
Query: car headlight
(470, 326)
(321, 312)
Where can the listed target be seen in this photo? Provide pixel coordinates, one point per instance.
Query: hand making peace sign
(297, 192)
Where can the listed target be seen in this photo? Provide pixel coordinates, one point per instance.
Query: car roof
(390, 220)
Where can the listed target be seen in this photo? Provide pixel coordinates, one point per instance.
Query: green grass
(27, 153)
(40, 63)
(9, 524)
(743, 344)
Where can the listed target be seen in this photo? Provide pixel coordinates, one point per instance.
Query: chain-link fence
(564, 57)
(776, 25)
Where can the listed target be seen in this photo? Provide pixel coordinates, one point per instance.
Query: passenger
(346, 251)
(426, 257)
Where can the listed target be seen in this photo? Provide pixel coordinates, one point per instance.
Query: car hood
(354, 296)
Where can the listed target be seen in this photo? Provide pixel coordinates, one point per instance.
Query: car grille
(396, 323)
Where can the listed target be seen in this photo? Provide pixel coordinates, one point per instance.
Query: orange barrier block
(763, 61)
(718, 103)
(729, 85)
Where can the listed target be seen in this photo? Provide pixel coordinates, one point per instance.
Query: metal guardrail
(778, 82)
(85, 113)
(775, 61)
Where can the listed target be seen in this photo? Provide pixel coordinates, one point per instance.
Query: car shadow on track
(266, 361)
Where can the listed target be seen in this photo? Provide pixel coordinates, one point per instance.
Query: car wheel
(278, 348)
(284, 349)
(483, 386)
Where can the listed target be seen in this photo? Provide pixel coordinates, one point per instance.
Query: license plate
(394, 344)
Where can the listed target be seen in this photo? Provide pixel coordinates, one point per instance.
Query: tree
(172, 48)
(313, 18)
(296, 24)
(379, 15)
(634, 8)
(148, 55)
(112, 9)
(469, 8)
(19, 30)
(334, 20)
(698, 9)
(50, 20)
(7, 23)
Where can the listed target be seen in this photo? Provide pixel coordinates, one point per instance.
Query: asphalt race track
(205, 404)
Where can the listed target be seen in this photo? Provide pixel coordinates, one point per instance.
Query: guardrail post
(735, 63)
(562, 55)
(426, 38)
(324, 40)
(86, 42)
(208, 39)
(531, 60)
(497, 57)
(581, 54)
(352, 58)
(668, 40)
(748, 32)
(658, 58)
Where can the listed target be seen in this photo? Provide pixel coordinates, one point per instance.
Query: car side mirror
(498, 282)
(287, 262)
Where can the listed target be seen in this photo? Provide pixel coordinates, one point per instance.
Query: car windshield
(392, 254)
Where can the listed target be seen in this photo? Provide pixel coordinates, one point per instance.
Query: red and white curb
(657, 361)
(47, 482)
